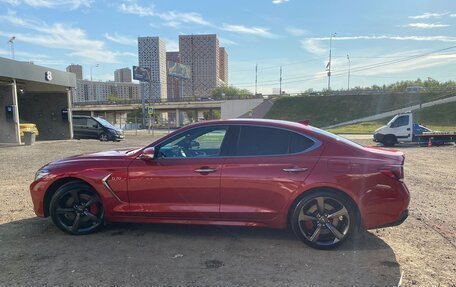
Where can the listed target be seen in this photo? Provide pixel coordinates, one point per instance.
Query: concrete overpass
(228, 108)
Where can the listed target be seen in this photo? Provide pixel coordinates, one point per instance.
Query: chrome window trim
(317, 143)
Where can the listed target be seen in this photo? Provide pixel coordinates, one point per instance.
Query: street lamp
(11, 42)
(328, 67)
(91, 80)
(349, 64)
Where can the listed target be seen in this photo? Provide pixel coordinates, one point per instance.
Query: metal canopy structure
(37, 94)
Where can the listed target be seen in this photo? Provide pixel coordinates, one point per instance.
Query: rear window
(336, 137)
(255, 141)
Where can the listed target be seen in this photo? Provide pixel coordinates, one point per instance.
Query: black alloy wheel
(77, 209)
(323, 219)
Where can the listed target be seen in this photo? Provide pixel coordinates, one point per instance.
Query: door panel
(402, 128)
(269, 167)
(171, 188)
(258, 188)
(183, 181)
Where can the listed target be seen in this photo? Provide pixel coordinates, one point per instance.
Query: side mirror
(148, 153)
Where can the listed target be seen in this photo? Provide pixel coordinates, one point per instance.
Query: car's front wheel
(323, 219)
(77, 209)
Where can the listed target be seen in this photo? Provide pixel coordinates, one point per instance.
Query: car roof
(261, 122)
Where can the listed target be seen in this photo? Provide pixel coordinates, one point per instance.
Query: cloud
(72, 4)
(296, 31)
(60, 36)
(25, 55)
(227, 42)
(313, 46)
(172, 18)
(135, 9)
(279, 1)
(426, 61)
(429, 15)
(425, 25)
(390, 37)
(120, 39)
(171, 45)
(257, 31)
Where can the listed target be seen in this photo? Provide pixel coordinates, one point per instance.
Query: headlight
(41, 173)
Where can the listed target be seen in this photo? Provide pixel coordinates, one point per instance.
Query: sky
(386, 41)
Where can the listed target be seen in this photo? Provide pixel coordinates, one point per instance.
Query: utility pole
(256, 79)
(11, 42)
(328, 67)
(349, 64)
(91, 81)
(280, 85)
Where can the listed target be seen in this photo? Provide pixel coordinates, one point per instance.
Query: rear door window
(80, 121)
(256, 141)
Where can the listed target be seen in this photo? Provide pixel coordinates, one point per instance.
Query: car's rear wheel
(104, 137)
(323, 219)
(77, 209)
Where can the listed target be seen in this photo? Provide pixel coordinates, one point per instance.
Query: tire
(103, 137)
(77, 209)
(323, 226)
(389, 140)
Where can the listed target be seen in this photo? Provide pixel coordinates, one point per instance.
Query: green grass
(327, 110)
(438, 118)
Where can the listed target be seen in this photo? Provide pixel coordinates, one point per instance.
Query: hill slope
(441, 117)
(327, 110)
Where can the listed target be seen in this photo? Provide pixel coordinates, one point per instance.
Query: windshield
(105, 123)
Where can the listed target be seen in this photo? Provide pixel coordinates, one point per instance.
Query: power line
(358, 69)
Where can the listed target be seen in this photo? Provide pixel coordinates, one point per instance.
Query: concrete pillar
(70, 113)
(17, 128)
(92, 113)
(178, 124)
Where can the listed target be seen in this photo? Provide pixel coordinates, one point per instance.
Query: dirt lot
(34, 253)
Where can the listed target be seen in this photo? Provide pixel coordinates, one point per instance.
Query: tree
(226, 92)
(112, 98)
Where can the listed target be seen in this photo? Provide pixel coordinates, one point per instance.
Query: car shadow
(34, 252)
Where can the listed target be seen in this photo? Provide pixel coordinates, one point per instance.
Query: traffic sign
(150, 110)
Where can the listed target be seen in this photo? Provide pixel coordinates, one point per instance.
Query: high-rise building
(76, 69)
(152, 55)
(223, 65)
(88, 91)
(173, 83)
(202, 54)
(122, 75)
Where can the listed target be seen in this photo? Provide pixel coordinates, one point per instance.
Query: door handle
(408, 129)
(295, 169)
(205, 170)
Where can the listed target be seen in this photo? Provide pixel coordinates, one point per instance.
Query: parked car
(262, 173)
(86, 127)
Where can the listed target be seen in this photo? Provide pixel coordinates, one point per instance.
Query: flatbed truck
(402, 129)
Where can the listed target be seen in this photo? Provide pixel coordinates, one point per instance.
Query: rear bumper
(401, 219)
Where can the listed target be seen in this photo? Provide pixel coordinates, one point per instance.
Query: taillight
(394, 171)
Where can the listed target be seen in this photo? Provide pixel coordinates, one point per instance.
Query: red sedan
(262, 173)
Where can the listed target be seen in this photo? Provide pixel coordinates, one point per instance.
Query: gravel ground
(33, 252)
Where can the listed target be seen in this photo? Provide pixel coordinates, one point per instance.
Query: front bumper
(378, 137)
